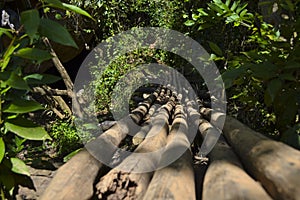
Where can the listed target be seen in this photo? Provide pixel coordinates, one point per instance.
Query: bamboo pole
(226, 179)
(119, 184)
(175, 181)
(75, 179)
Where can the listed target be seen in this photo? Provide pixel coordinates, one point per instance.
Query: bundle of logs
(243, 164)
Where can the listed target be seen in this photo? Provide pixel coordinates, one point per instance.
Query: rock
(40, 179)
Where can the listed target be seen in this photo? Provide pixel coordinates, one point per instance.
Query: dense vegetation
(255, 45)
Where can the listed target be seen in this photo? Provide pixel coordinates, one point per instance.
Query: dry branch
(66, 78)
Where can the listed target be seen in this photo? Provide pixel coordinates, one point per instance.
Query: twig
(66, 78)
(50, 91)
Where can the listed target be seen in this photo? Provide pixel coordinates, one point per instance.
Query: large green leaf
(2, 149)
(286, 107)
(19, 167)
(26, 129)
(36, 79)
(7, 178)
(215, 48)
(31, 20)
(34, 54)
(56, 32)
(65, 6)
(265, 70)
(17, 82)
(274, 86)
(23, 106)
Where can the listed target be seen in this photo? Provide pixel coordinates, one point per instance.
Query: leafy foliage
(25, 48)
(65, 138)
(115, 16)
(264, 79)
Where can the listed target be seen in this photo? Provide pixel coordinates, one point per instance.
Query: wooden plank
(226, 179)
(274, 164)
(175, 181)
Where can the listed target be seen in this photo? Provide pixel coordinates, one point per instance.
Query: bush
(65, 137)
(262, 80)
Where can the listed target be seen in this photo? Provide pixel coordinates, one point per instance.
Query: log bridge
(243, 164)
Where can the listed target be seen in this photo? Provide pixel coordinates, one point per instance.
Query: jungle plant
(264, 79)
(25, 48)
(65, 137)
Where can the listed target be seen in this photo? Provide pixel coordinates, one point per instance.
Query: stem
(66, 78)
(2, 193)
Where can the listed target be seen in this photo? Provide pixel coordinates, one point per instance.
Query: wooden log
(274, 164)
(124, 181)
(75, 179)
(214, 117)
(140, 136)
(225, 177)
(139, 113)
(175, 181)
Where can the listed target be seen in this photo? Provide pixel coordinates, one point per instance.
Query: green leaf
(65, 6)
(290, 5)
(264, 70)
(31, 20)
(292, 136)
(292, 65)
(231, 75)
(286, 107)
(189, 23)
(56, 3)
(76, 10)
(37, 79)
(7, 55)
(288, 76)
(6, 31)
(215, 48)
(33, 76)
(34, 54)
(215, 8)
(7, 178)
(70, 155)
(19, 167)
(17, 82)
(227, 3)
(23, 106)
(56, 32)
(274, 86)
(253, 55)
(26, 129)
(2, 149)
(234, 6)
(241, 9)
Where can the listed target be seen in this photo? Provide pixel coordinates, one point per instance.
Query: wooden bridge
(243, 164)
